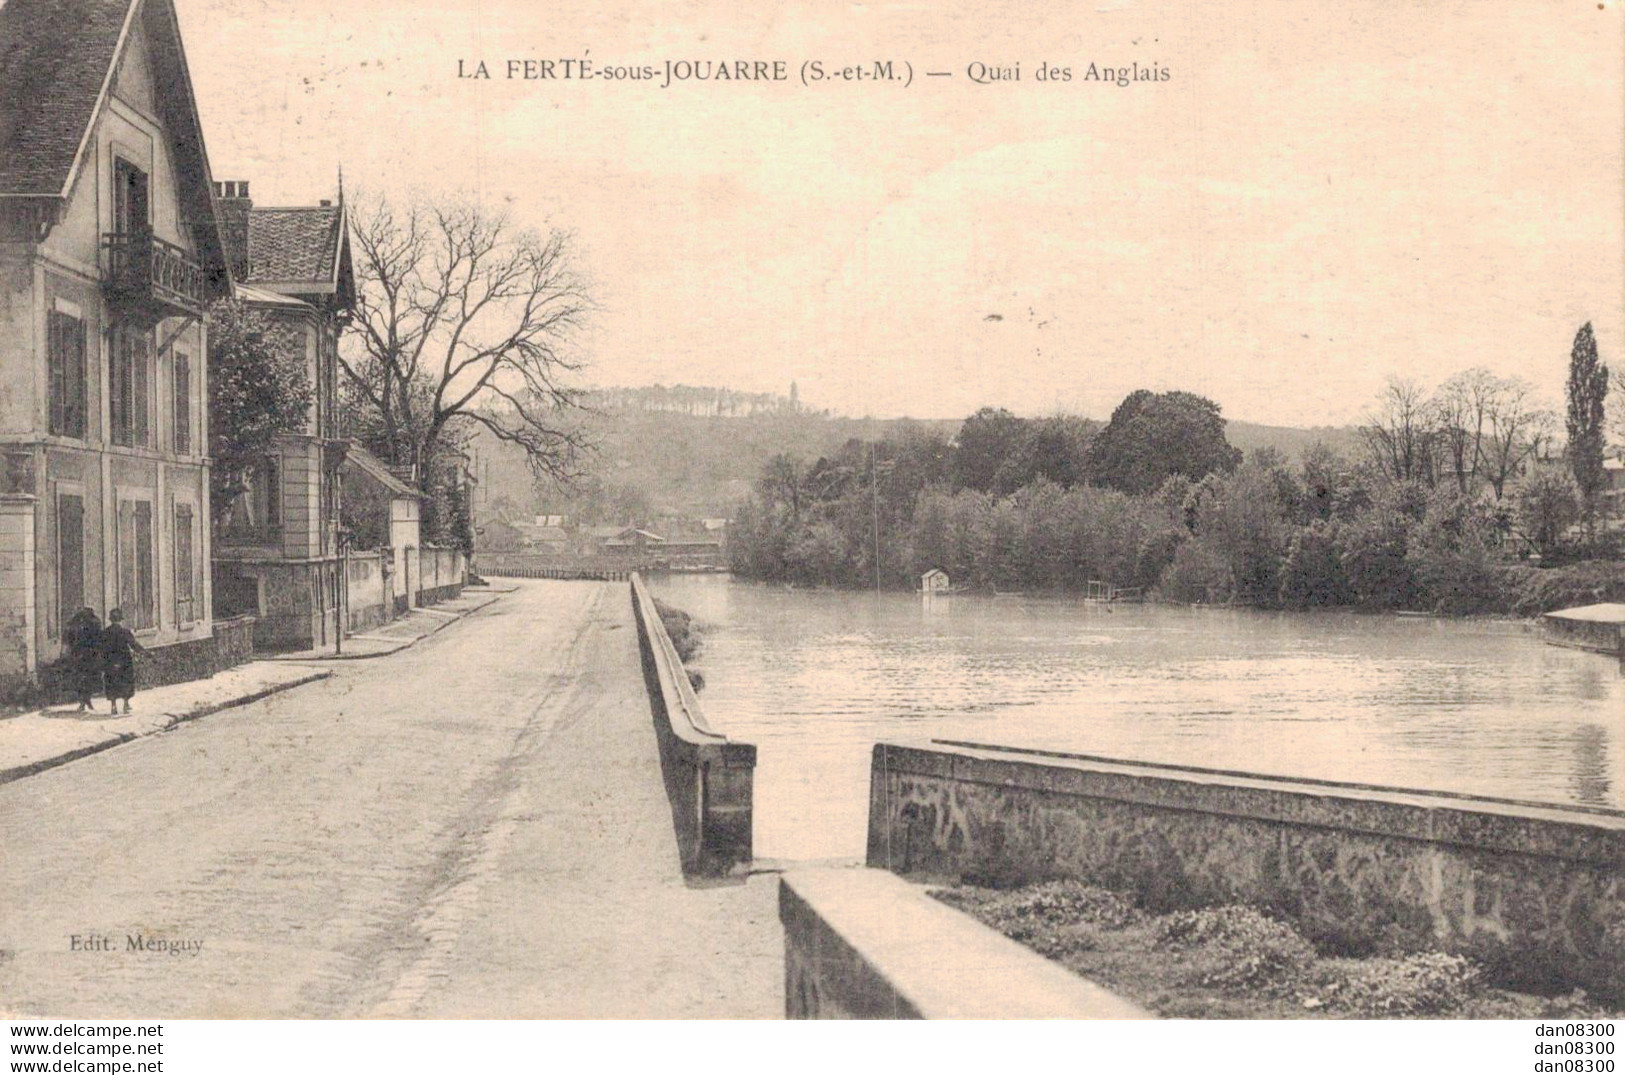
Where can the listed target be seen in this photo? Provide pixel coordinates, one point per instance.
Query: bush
(1054, 918)
(1312, 573)
(1197, 575)
(1427, 983)
(685, 637)
(1236, 947)
(1374, 560)
(1530, 591)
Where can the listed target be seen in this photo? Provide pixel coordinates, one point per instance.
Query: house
(384, 515)
(691, 545)
(1613, 487)
(276, 551)
(110, 250)
(496, 535)
(935, 581)
(630, 542)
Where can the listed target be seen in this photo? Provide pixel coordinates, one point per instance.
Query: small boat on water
(1598, 628)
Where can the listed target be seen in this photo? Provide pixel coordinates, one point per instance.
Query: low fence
(709, 777)
(523, 565)
(1535, 892)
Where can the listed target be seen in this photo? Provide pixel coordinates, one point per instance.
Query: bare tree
(1516, 429)
(461, 322)
(1402, 432)
(1616, 424)
(1462, 405)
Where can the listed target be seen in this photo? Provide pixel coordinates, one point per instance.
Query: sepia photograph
(1106, 510)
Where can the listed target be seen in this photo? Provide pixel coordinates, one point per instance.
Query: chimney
(231, 196)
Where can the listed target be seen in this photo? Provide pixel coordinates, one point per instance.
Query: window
(183, 404)
(65, 356)
(268, 485)
(135, 576)
(185, 585)
(70, 556)
(128, 386)
(129, 198)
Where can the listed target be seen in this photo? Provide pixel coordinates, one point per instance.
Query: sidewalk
(402, 632)
(49, 737)
(45, 738)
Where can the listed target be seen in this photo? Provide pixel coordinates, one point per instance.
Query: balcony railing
(146, 275)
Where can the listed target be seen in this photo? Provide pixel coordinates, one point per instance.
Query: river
(814, 678)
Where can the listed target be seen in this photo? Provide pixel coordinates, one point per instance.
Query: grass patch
(685, 638)
(1237, 962)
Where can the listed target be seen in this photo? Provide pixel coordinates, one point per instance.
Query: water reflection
(815, 678)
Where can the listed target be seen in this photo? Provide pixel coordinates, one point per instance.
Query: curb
(173, 720)
(406, 643)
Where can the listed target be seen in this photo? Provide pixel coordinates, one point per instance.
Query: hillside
(695, 452)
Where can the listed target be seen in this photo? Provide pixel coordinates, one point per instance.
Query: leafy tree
(1374, 547)
(1587, 393)
(1548, 503)
(1312, 574)
(256, 391)
(986, 442)
(1321, 474)
(1153, 436)
(1197, 575)
(1453, 550)
(1245, 523)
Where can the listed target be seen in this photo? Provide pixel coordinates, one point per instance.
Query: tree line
(1453, 496)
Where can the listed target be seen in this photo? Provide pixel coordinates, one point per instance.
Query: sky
(1318, 196)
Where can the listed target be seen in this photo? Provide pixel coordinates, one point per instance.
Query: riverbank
(1235, 962)
(1496, 590)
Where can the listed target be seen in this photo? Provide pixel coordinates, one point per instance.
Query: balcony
(149, 279)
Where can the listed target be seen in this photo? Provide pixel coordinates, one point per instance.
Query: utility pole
(874, 497)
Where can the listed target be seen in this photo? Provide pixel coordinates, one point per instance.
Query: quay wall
(1535, 892)
(710, 779)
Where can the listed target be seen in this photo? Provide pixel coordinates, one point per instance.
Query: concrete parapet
(709, 778)
(1534, 891)
(865, 944)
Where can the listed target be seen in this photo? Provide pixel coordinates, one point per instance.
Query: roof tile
(54, 58)
(286, 245)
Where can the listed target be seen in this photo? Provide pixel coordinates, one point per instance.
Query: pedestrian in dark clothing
(82, 639)
(119, 648)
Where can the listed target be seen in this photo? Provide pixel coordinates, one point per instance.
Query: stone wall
(1535, 892)
(442, 573)
(369, 595)
(709, 777)
(234, 641)
(862, 944)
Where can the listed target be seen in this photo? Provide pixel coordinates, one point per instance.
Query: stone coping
(876, 946)
(1582, 834)
(683, 710)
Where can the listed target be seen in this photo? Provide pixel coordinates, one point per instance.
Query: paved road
(474, 827)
